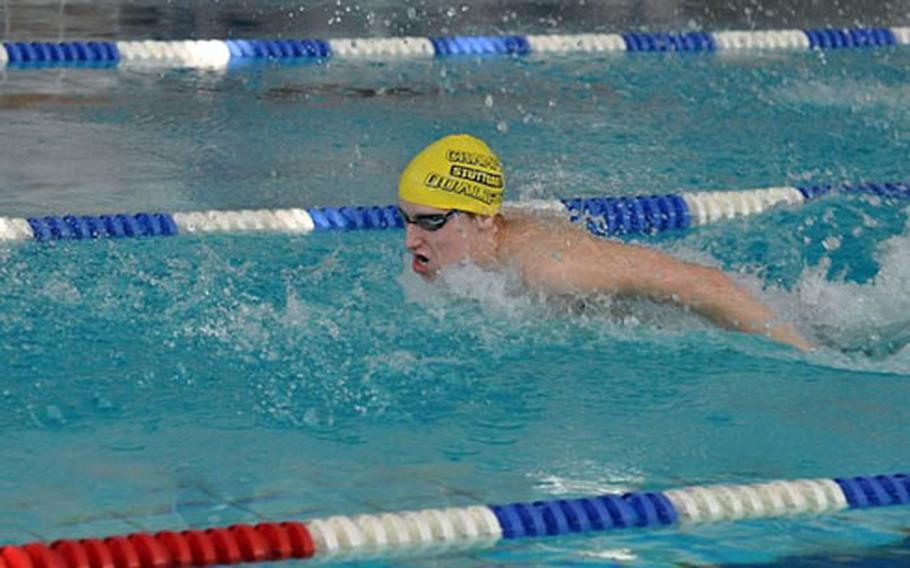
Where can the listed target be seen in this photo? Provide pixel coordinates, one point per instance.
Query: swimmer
(450, 197)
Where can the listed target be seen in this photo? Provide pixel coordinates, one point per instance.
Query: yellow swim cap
(455, 172)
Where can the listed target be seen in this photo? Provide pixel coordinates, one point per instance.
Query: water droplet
(832, 243)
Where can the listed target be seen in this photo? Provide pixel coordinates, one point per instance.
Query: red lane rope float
(74, 553)
(178, 547)
(15, 557)
(203, 549)
(43, 557)
(98, 553)
(168, 549)
(278, 540)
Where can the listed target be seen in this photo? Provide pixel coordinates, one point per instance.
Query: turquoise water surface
(193, 381)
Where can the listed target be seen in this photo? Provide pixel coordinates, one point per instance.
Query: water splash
(871, 318)
(844, 93)
(499, 292)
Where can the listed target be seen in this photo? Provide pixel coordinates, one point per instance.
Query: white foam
(497, 291)
(850, 93)
(590, 477)
(872, 317)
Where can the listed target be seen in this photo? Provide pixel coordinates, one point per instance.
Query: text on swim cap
(457, 186)
(472, 159)
(479, 176)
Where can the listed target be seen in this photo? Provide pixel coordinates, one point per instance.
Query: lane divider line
(601, 216)
(431, 531)
(220, 54)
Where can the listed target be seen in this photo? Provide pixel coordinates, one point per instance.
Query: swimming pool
(164, 383)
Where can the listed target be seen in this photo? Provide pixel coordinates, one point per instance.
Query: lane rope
(432, 531)
(601, 216)
(220, 54)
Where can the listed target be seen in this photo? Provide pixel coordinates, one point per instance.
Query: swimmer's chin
(429, 276)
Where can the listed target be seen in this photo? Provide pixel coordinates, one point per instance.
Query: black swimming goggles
(428, 221)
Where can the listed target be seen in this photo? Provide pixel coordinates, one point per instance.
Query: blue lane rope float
(689, 42)
(277, 49)
(483, 45)
(219, 54)
(431, 531)
(25, 54)
(837, 39)
(109, 226)
(601, 216)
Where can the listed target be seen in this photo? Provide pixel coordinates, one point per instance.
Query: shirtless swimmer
(450, 196)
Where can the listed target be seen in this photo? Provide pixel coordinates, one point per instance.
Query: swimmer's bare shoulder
(555, 256)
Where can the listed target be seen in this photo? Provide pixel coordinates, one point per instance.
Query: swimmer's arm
(593, 266)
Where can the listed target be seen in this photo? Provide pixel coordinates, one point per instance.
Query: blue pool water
(211, 380)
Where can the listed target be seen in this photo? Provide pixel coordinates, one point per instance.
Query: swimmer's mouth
(420, 264)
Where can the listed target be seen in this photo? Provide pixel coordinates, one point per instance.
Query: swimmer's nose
(412, 236)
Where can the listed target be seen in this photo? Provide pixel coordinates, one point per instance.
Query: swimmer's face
(433, 249)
